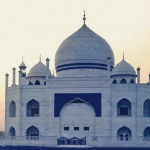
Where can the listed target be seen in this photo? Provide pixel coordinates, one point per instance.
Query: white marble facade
(84, 65)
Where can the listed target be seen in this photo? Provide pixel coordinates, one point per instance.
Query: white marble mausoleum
(90, 102)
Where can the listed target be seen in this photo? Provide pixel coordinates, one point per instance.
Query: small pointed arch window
(45, 83)
(30, 83)
(12, 131)
(146, 108)
(124, 134)
(124, 108)
(114, 81)
(146, 134)
(12, 109)
(33, 108)
(37, 82)
(132, 81)
(32, 131)
(123, 81)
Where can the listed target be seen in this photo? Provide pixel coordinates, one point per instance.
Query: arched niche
(123, 81)
(30, 83)
(114, 81)
(37, 82)
(146, 108)
(12, 131)
(33, 108)
(124, 133)
(132, 81)
(124, 108)
(12, 109)
(146, 133)
(32, 131)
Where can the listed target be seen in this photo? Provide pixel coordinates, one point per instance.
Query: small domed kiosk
(38, 73)
(123, 73)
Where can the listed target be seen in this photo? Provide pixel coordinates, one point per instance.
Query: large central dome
(84, 53)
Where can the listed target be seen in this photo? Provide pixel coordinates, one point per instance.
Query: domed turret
(38, 74)
(39, 70)
(22, 66)
(123, 68)
(83, 54)
(123, 72)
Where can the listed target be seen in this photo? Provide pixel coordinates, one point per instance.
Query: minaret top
(138, 68)
(84, 17)
(22, 65)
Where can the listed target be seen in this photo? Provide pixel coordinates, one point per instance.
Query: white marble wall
(107, 124)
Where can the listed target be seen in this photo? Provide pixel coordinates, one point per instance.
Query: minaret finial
(123, 55)
(84, 17)
(40, 58)
(22, 59)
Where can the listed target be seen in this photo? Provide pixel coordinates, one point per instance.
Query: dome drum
(82, 66)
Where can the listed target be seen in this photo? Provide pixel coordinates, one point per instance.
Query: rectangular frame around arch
(60, 99)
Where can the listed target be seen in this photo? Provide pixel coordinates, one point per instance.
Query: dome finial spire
(53, 72)
(40, 58)
(22, 59)
(84, 17)
(123, 55)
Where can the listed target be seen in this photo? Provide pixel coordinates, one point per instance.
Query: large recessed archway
(77, 119)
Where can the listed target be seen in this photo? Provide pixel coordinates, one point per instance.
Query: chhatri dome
(82, 54)
(39, 70)
(123, 68)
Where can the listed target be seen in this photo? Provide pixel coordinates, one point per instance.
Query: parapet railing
(27, 137)
(94, 141)
(93, 138)
(120, 141)
(124, 138)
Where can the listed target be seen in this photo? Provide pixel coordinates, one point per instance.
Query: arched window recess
(132, 81)
(146, 134)
(32, 133)
(30, 83)
(12, 109)
(124, 108)
(124, 134)
(146, 108)
(33, 108)
(123, 81)
(37, 82)
(12, 131)
(114, 81)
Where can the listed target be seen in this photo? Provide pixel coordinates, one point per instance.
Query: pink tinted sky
(30, 28)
